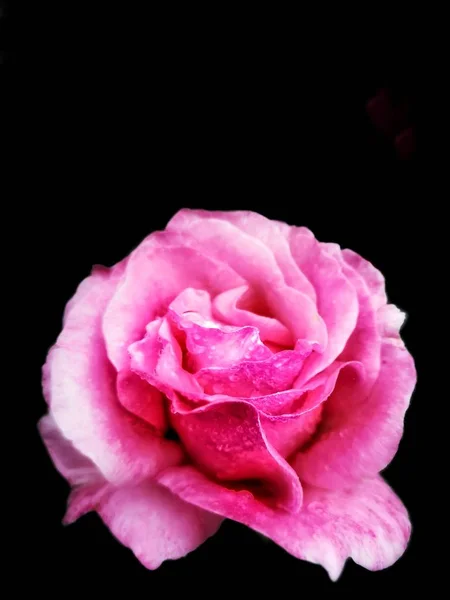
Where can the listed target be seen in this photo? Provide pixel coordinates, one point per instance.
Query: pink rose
(276, 363)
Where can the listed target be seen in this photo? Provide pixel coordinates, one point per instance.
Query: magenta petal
(249, 378)
(141, 399)
(81, 390)
(287, 431)
(367, 523)
(156, 273)
(227, 440)
(225, 307)
(211, 344)
(360, 434)
(157, 358)
(155, 524)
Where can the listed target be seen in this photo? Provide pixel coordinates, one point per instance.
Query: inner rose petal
(227, 441)
(210, 344)
(228, 307)
(255, 378)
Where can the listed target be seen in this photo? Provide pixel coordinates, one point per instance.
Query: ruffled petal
(248, 378)
(156, 273)
(367, 523)
(337, 300)
(226, 307)
(80, 385)
(255, 263)
(371, 275)
(359, 434)
(227, 440)
(155, 524)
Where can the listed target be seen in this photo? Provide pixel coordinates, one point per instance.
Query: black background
(119, 140)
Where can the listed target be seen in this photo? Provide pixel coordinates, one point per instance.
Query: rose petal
(225, 307)
(226, 439)
(390, 320)
(337, 301)
(289, 430)
(192, 300)
(155, 524)
(367, 523)
(273, 234)
(253, 261)
(364, 344)
(142, 399)
(157, 358)
(79, 471)
(210, 344)
(371, 275)
(72, 465)
(249, 378)
(80, 386)
(359, 434)
(156, 273)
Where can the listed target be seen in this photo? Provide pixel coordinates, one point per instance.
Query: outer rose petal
(156, 524)
(336, 297)
(390, 320)
(371, 275)
(360, 435)
(150, 520)
(72, 465)
(367, 523)
(364, 344)
(80, 472)
(80, 388)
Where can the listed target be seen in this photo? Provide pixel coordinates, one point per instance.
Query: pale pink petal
(156, 273)
(227, 440)
(142, 399)
(371, 275)
(359, 434)
(273, 234)
(226, 307)
(89, 485)
(72, 465)
(337, 301)
(81, 388)
(390, 320)
(255, 262)
(155, 524)
(367, 523)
